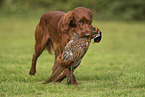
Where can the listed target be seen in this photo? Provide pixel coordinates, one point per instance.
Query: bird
(73, 53)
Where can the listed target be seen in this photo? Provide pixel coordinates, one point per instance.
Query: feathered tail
(55, 73)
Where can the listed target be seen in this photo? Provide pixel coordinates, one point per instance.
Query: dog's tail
(54, 74)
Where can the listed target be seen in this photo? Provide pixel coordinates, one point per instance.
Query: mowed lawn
(114, 67)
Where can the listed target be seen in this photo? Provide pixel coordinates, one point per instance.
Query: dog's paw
(32, 73)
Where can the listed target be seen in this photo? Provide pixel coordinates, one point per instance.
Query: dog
(55, 30)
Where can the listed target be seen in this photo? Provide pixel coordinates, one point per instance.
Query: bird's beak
(98, 37)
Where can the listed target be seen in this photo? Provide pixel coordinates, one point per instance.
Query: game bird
(73, 53)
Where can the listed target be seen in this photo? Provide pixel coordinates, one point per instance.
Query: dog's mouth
(98, 37)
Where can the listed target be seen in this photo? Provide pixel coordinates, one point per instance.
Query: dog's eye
(80, 21)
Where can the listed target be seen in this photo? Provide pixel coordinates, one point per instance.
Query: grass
(114, 67)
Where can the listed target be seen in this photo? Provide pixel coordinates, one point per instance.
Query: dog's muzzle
(98, 37)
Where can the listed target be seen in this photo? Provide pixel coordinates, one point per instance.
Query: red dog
(55, 30)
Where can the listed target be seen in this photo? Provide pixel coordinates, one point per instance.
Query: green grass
(114, 67)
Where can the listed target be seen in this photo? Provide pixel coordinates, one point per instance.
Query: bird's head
(96, 34)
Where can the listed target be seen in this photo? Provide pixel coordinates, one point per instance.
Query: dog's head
(78, 20)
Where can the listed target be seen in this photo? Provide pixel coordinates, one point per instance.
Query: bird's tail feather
(55, 73)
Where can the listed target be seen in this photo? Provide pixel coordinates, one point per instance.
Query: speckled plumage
(74, 51)
(71, 56)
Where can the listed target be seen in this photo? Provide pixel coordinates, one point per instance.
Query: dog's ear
(91, 14)
(65, 22)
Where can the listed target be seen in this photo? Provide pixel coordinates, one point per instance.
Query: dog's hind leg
(40, 43)
(37, 53)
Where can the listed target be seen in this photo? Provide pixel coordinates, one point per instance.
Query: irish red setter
(55, 30)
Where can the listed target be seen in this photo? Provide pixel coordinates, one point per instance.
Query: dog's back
(48, 29)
